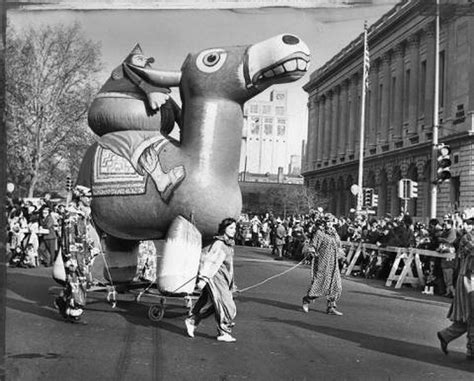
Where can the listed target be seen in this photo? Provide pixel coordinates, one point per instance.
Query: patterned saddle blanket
(114, 175)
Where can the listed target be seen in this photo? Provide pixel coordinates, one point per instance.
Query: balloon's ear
(159, 78)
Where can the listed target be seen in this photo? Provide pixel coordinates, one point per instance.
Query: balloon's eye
(210, 61)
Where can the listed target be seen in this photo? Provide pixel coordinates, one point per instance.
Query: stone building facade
(399, 111)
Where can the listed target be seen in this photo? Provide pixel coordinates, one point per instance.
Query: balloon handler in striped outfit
(216, 280)
(325, 250)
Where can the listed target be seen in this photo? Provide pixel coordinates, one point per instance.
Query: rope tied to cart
(246, 288)
(272, 277)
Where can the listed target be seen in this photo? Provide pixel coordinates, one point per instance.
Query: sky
(169, 35)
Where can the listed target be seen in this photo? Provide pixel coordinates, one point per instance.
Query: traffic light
(413, 189)
(68, 184)
(375, 200)
(403, 186)
(368, 193)
(444, 163)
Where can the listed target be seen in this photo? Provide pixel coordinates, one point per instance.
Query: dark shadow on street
(40, 302)
(386, 345)
(406, 298)
(272, 303)
(37, 297)
(405, 291)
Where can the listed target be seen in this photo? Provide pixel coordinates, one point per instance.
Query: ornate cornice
(408, 9)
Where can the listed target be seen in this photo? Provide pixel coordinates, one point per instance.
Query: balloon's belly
(147, 216)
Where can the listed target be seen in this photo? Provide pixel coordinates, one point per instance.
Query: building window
(268, 126)
(266, 109)
(406, 98)
(280, 110)
(281, 127)
(422, 89)
(455, 192)
(254, 108)
(255, 126)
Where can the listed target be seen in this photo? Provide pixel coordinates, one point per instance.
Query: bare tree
(51, 77)
(287, 200)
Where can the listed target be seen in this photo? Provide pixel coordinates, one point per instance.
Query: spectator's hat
(328, 217)
(448, 217)
(469, 221)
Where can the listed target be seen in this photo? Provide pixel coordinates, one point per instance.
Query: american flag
(366, 58)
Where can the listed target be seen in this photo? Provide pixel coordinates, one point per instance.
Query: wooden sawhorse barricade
(404, 259)
(354, 252)
(406, 268)
(355, 249)
(408, 255)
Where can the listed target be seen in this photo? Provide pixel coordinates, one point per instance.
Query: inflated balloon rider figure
(142, 179)
(128, 103)
(79, 246)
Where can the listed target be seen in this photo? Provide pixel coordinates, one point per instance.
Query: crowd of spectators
(291, 232)
(34, 230)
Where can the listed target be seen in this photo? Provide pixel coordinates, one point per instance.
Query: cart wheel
(156, 312)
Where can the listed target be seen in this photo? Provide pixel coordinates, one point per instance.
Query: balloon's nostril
(290, 40)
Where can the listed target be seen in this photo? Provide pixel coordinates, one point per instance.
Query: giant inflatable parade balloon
(142, 179)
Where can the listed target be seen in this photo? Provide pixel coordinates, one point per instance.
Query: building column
(343, 125)
(398, 64)
(385, 116)
(430, 76)
(372, 107)
(414, 49)
(312, 128)
(327, 127)
(352, 116)
(357, 110)
(335, 123)
(319, 153)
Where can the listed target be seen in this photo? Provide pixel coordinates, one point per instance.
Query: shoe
(306, 307)
(225, 337)
(443, 343)
(190, 327)
(333, 311)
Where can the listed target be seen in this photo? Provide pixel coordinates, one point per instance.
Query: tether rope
(255, 285)
(272, 277)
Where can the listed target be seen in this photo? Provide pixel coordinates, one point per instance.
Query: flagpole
(365, 63)
(434, 162)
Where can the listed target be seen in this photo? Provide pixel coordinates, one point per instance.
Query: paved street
(385, 334)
